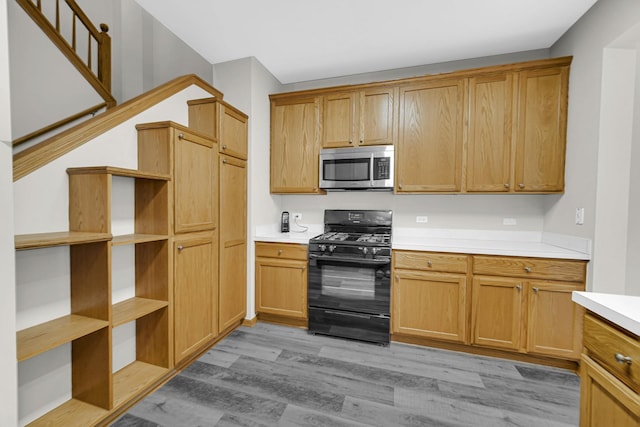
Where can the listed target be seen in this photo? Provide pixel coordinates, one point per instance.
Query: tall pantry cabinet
(191, 159)
(229, 127)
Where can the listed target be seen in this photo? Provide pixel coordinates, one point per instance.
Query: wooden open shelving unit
(96, 390)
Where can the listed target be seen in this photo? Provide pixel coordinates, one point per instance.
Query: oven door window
(348, 282)
(352, 285)
(346, 169)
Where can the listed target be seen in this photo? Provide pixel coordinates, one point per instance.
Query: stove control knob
(322, 247)
(374, 251)
(364, 250)
(332, 248)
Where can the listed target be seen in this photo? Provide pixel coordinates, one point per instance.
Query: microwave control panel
(381, 168)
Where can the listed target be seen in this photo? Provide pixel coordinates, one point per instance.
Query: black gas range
(350, 276)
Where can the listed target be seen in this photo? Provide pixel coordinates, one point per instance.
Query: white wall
(614, 169)
(246, 85)
(420, 70)
(587, 40)
(8, 372)
(633, 241)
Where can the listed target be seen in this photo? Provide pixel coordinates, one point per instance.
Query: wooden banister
(98, 76)
(50, 149)
(59, 123)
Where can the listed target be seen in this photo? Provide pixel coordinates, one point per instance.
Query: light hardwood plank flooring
(275, 375)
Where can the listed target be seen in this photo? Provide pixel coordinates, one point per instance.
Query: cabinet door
(555, 321)
(295, 145)
(542, 128)
(497, 312)
(233, 132)
(429, 155)
(604, 400)
(377, 116)
(233, 200)
(195, 293)
(233, 241)
(194, 184)
(281, 287)
(490, 133)
(232, 284)
(431, 305)
(339, 120)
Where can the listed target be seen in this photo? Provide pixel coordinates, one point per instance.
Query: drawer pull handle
(181, 136)
(180, 247)
(527, 269)
(429, 263)
(279, 251)
(623, 359)
(536, 290)
(519, 287)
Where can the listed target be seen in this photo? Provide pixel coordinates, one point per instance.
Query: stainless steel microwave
(357, 168)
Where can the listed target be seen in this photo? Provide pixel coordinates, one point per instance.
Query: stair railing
(94, 62)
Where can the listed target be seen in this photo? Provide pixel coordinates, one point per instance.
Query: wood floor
(274, 375)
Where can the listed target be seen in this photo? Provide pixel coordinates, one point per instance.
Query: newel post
(104, 57)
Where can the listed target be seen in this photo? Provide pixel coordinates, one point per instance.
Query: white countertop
(271, 233)
(623, 310)
(481, 242)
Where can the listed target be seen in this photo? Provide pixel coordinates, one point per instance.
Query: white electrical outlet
(422, 219)
(579, 216)
(296, 216)
(509, 221)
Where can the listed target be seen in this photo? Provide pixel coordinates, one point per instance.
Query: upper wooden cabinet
(364, 117)
(219, 120)
(167, 147)
(430, 140)
(542, 128)
(498, 129)
(295, 144)
(490, 133)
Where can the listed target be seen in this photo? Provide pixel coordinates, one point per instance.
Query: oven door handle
(362, 316)
(363, 261)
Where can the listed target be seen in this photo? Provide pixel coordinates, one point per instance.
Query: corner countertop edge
(622, 310)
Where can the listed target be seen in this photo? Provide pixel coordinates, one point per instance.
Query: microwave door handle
(371, 170)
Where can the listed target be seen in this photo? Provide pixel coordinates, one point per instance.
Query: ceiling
(300, 40)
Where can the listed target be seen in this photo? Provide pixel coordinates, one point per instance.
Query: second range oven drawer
(337, 323)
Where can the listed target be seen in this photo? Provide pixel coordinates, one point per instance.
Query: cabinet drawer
(606, 344)
(535, 268)
(430, 261)
(281, 250)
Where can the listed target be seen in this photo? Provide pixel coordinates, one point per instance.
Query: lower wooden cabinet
(555, 321)
(604, 400)
(514, 304)
(429, 300)
(195, 292)
(281, 280)
(610, 378)
(497, 312)
(524, 304)
(233, 285)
